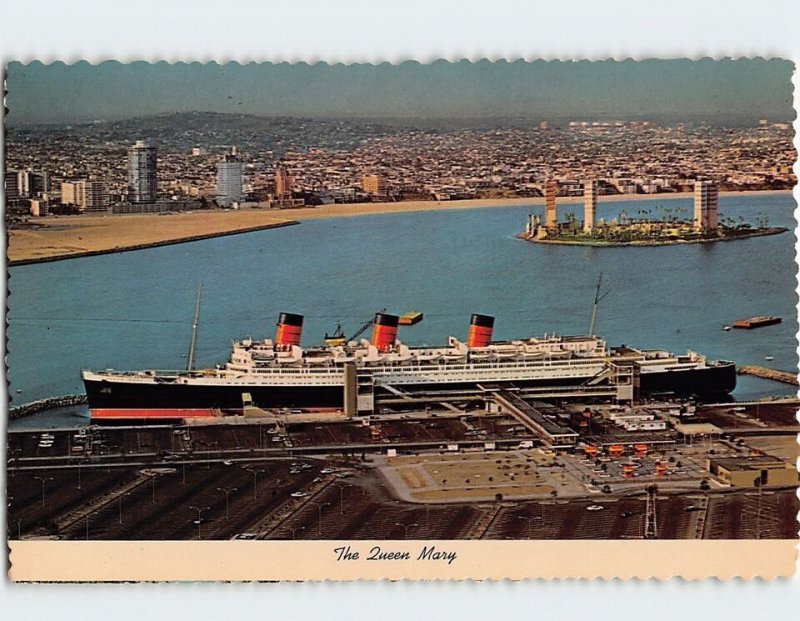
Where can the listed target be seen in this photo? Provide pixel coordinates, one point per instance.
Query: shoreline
(364, 209)
(68, 237)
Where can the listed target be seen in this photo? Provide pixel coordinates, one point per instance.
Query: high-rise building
(142, 179)
(551, 214)
(284, 183)
(589, 204)
(229, 179)
(39, 207)
(374, 184)
(11, 185)
(31, 184)
(706, 198)
(69, 192)
(89, 195)
(92, 195)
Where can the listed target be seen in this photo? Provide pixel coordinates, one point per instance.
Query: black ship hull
(705, 384)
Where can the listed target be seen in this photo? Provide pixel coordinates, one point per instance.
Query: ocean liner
(278, 375)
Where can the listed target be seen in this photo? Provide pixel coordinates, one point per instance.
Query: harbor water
(133, 310)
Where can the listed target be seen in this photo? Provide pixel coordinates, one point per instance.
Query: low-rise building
(752, 471)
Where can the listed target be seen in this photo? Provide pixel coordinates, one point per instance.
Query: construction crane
(338, 338)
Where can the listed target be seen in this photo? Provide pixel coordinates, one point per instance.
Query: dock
(756, 322)
(771, 374)
(410, 318)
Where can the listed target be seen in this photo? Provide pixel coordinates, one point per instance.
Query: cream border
(95, 561)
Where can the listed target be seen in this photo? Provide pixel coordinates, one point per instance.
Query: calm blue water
(134, 309)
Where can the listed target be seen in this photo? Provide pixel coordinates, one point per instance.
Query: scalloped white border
(349, 31)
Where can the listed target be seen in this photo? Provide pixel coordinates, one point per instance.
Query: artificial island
(645, 230)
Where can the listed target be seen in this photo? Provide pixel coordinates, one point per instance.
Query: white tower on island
(589, 204)
(706, 198)
(551, 213)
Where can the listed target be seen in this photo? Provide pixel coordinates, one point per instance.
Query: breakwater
(770, 374)
(35, 407)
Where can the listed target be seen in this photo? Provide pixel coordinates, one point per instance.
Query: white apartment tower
(551, 213)
(229, 180)
(142, 179)
(589, 204)
(706, 198)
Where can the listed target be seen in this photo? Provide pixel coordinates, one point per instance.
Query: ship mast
(597, 299)
(190, 361)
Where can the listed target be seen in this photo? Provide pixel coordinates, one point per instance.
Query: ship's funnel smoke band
(290, 329)
(384, 333)
(480, 330)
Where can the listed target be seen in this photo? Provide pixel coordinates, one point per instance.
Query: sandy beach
(66, 237)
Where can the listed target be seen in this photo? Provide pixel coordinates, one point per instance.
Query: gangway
(551, 433)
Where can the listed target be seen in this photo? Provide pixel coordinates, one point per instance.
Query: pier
(771, 374)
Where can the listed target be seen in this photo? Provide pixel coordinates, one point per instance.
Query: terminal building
(753, 471)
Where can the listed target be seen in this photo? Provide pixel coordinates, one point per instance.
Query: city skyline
(729, 91)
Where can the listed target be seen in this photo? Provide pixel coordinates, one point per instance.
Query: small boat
(769, 358)
(726, 328)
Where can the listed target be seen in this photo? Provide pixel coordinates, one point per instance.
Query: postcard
(419, 321)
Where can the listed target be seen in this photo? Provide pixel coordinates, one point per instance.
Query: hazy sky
(728, 91)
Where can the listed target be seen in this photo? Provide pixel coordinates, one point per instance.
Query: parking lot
(210, 500)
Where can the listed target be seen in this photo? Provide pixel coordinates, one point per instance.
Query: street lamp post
(758, 484)
(294, 531)
(15, 458)
(530, 521)
(43, 480)
(227, 492)
(342, 487)
(153, 479)
(406, 528)
(119, 504)
(319, 513)
(255, 474)
(213, 445)
(199, 518)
